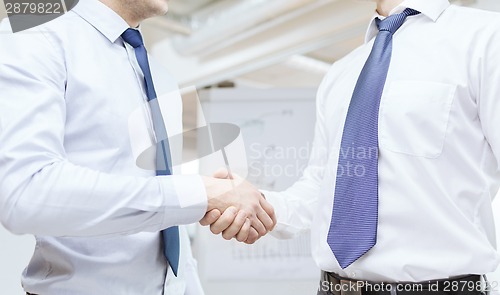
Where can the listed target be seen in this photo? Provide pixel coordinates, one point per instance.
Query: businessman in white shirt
(421, 212)
(67, 171)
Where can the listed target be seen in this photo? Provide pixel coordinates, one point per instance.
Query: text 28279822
(38, 8)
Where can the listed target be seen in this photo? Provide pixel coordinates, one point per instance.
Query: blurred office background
(255, 63)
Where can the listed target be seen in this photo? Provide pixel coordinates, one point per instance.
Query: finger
(265, 220)
(252, 237)
(245, 231)
(270, 212)
(221, 173)
(258, 226)
(224, 221)
(210, 217)
(235, 227)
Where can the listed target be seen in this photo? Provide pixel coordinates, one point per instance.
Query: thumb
(221, 173)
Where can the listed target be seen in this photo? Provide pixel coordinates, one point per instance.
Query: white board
(277, 128)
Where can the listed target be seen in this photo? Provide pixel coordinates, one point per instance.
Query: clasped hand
(236, 208)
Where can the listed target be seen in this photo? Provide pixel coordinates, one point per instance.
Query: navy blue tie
(353, 228)
(171, 243)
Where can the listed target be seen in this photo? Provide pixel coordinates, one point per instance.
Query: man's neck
(117, 7)
(384, 7)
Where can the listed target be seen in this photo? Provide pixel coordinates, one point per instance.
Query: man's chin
(164, 5)
(164, 11)
(161, 7)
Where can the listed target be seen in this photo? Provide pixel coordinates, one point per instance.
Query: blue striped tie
(171, 243)
(353, 228)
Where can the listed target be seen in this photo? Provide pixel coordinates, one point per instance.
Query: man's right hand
(237, 209)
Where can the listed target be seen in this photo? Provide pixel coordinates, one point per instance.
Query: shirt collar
(103, 18)
(430, 8)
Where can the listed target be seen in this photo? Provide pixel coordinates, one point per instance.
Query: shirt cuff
(282, 230)
(185, 199)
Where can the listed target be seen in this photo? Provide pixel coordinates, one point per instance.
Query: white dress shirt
(67, 173)
(439, 150)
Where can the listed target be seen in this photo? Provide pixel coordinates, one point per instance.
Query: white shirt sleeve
(295, 206)
(41, 191)
(488, 90)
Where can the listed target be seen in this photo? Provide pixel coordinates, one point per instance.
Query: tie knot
(133, 37)
(395, 21)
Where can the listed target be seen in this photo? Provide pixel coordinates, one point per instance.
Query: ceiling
(291, 47)
(289, 44)
(259, 43)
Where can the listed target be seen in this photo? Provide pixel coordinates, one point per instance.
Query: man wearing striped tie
(406, 157)
(68, 175)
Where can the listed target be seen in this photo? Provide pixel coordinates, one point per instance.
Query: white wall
(2, 10)
(487, 4)
(15, 253)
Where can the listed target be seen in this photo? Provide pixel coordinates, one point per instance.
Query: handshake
(236, 208)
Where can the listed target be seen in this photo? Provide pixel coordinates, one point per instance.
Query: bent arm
(41, 191)
(296, 206)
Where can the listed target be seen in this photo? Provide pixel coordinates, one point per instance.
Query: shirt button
(352, 275)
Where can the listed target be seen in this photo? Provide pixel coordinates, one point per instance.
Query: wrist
(215, 189)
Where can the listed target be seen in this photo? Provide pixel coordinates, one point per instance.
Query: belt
(333, 284)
